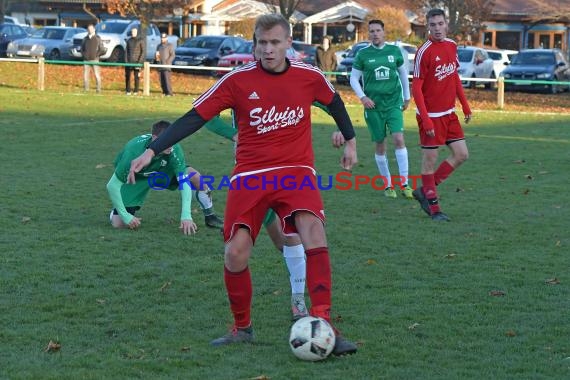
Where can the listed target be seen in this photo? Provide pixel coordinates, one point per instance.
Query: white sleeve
(355, 76)
(402, 71)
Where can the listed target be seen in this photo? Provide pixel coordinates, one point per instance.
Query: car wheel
(54, 55)
(117, 55)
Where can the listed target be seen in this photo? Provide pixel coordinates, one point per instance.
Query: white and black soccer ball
(311, 339)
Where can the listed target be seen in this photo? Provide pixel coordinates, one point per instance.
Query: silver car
(50, 42)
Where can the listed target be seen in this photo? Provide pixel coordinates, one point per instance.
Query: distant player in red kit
(435, 87)
(271, 100)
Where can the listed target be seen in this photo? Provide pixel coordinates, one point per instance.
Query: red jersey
(437, 64)
(272, 111)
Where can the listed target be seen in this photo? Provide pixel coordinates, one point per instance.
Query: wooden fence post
(41, 74)
(501, 92)
(146, 76)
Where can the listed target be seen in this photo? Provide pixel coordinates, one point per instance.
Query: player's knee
(461, 156)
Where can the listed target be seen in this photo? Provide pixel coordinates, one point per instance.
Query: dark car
(345, 66)
(307, 52)
(544, 65)
(10, 32)
(205, 51)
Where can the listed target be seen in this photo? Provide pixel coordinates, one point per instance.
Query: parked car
(307, 52)
(474, 62)
(114, 34)
(50, 42)
(501, 58)
(345, 66)
(538, 65)
(244, 55)
(408, 52)
(10, 32)
(205, 51)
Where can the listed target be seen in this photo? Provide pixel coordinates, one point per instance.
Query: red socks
(239, 288)
(319, 282)
(428, 184)
(443, 171)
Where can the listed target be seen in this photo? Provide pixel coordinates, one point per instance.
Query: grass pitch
(485, 296)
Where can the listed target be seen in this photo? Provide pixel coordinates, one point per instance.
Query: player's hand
(188, 227)
(468, 118)
(349, 158)
(134, 223)
(367, 102)
(427, 127)
(138, 163)
(406, 105)
(337, 139)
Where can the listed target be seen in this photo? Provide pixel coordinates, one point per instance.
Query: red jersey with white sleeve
(272, 111)
(437, 64)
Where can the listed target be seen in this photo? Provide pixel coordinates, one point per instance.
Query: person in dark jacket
(92, 48)
(165, 56)
(135, 54)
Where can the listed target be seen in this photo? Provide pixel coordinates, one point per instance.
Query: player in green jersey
(163, 172)
(385, 94)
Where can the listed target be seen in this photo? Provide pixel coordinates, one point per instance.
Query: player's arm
(114, 189)
(181, 128)
(402, 73)
(427, 124)
(322, 106)
(187, 225)
(462, 99)
(221, 128)
(344, 124)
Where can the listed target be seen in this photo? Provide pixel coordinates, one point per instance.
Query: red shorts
(283, 190)
(447, 130)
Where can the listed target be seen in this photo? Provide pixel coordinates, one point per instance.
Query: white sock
(402, 158)
(295, 260)
(382, 163)
(204, 200)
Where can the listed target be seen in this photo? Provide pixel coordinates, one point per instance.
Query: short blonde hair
(268, 21)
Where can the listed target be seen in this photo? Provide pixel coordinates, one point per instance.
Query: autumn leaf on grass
(371, 262)
(100, 166)
(450, 256)
(261, 377)
(526, 191)
(497, 293)
(519, 161)
(26, 219)
(413, 326)
(52, 346)
(528, 176)
(165, 286)
(552, 281)
(185, 349)
(511, 333)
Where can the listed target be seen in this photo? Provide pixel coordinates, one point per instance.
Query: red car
(244, 55)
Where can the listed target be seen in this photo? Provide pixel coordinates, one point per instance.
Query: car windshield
(203, 43)
(49, 34)
(111, 27)
(533, 58)
(245, 48)
(494, 56)
(464, 55)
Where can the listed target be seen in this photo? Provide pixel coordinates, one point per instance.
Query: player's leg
(377, 128)
(204, 198)
(395, 122)
(459, 153)
(294, 255)
(237, 279)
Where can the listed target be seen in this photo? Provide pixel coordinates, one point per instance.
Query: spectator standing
(326, 58)
(135, 54)
(165, 56)
(92, 48)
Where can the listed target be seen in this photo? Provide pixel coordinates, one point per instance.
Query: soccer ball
(312, 339)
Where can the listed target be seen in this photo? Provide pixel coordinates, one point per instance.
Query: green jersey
(381, 81)
(170, 164)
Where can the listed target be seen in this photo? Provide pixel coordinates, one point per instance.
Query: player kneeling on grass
(161, 173)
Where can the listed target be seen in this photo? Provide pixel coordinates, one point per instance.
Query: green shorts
(379, 121)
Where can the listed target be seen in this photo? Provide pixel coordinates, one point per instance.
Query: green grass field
(486, 296)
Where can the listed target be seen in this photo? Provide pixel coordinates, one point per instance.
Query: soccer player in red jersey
(271, 100)
(435, 87)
